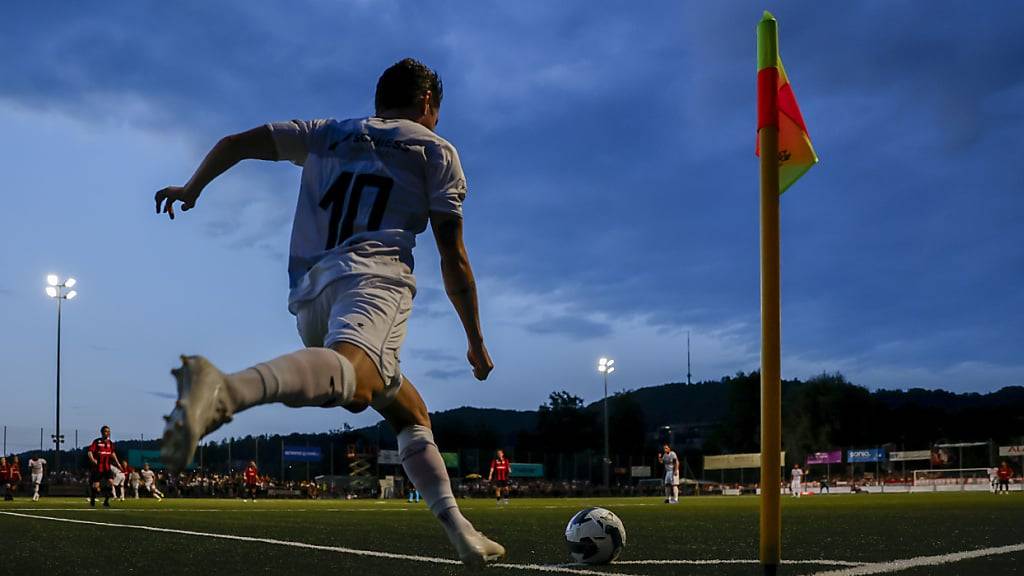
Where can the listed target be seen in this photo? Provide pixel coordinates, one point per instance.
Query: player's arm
(255, 144)
(92, 457)
(460, 285)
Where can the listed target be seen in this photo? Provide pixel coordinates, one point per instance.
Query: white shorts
(671, 480)
(796, 485)
(118, 479)
(369, 311)
(37, 478)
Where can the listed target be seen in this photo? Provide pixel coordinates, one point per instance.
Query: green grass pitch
(844, 535)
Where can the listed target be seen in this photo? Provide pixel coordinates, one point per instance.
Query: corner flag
(796, 155)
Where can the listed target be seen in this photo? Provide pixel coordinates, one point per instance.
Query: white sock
(309, 377)
(425, 467)
(675, 492)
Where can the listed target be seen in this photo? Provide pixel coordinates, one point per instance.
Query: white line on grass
(919, 561)
(343, 550)
(736, 561)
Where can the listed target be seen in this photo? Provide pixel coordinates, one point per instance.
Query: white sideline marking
(918, 561)
(737, 561)
(343, 550)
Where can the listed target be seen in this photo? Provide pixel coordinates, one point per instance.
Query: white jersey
(671, 462)
(35, 466)
(796, 475)
(118, 475)
(368, 188)
(148, 477)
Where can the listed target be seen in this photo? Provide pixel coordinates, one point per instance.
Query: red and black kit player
(5, 478)
(498, 476)
(101, 455)
(14, 474)
(252, 479)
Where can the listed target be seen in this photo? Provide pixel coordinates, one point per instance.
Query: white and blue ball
(595, 536)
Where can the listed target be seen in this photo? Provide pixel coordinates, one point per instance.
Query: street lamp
(605, 367)
(59, 291)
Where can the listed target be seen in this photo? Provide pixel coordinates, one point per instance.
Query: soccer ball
(595, 536)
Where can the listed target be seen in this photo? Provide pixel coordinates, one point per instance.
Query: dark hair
(405, 83)
(102, 427)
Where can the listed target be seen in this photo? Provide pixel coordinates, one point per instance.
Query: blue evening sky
(612, 205)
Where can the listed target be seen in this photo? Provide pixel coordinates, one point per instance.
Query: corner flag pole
(771, 394)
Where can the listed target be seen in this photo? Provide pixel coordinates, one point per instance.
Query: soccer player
(252, 478)
(499, 473)
(368, 187)
(668, 458)
(118, 481)
(5, 478)
(133, 480)
(993, 479)
(149, 479)
(15, 474)
(36, 468)
(101, 460)
(1005, 474)
(796, 480)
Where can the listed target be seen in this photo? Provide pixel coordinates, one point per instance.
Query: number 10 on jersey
(343, 222)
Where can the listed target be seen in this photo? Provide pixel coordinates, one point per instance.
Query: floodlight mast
(56, 289)
(605, 367)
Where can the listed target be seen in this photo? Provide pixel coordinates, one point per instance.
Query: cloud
(571, 326)
(167, 395)
(432, 355)
(448, 374)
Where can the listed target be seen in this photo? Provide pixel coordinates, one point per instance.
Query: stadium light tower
(605, 367)
(59, 291)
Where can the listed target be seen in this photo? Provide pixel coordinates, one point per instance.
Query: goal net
(953, 478)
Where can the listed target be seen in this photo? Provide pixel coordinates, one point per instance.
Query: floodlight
(69, 282)
(51, 291)
(52, 279)
(610, 370)
(610, 362)
(602, 362)
(73, 293)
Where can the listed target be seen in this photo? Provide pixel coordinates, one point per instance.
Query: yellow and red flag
(776, 106)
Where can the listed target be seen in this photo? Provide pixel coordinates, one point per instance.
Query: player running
(36, 469)
(118, 481)
(102, 458)
(796, 480)
(149, 480)
(368, 187)
(252, 479)
(668, 458)
(498, 476)
(5, 479)
(15, 474)
(133, 480)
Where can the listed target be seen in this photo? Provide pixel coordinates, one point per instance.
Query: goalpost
(952, 479)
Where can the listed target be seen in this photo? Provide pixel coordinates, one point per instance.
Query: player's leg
(675, 490)
(207, 398)
(407, 415)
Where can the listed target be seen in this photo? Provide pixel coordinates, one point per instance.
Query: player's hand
(166, 198)
(480, 360)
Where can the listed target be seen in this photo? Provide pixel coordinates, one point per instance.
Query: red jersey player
(101, 455)
(15, 474)
(252, 478)
(5, 478)
(1004, 473)
(499, 476)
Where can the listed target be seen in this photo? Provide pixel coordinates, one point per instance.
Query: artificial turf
(852, 528)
